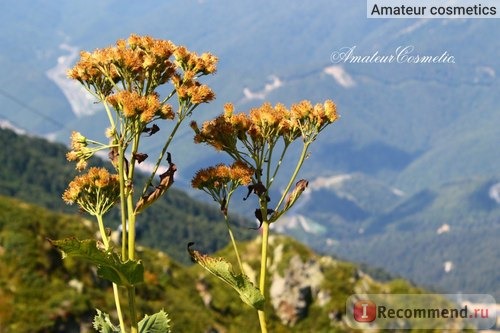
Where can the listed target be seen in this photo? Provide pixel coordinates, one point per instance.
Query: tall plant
(258, 143)
(126, 79)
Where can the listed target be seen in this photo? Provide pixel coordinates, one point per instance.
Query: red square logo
(365, 311)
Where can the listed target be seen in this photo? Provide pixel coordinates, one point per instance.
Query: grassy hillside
(36, 171)
(350, 215)
(40, 292)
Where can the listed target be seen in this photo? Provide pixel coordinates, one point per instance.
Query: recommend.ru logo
(421, 311)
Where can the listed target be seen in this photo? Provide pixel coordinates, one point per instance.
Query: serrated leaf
(129, 273)
(221, 268)
(109, 265)
(103, 323)
(157, 323)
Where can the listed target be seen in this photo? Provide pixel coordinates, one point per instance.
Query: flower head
(265, 124)
(190, 61)
(221, 180)
(96, 71)
(80, 151)
(128, 74)
(309, 119)
(138, 59)
(221, 175)
(78, 141)
(95, 192)
(219, 133)
(194, 92)
(135, 106)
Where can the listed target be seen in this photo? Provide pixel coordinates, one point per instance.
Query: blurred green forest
(36, 171)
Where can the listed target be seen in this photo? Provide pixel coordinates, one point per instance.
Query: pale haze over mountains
(407, 180)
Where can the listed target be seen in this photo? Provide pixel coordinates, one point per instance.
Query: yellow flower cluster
(220, 175)
(193, 65)
(137, 59)
(79, 150)
(95, 192)
(142, 63)
(221, 180)
(144, 108)
(192, 91)
(266, 124)
(311, 119)
(192, 62)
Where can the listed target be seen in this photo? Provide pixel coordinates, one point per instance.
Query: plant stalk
(116, 294)
(233, 241)
(130, 201)
(263, 271)
(118, 307)
(131, 228)
(123, 199)
(133, 313)
(160, 157)
(131, 234)
(302, 157)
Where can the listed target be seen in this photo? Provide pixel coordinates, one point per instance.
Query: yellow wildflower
(133, 105)
(95, 192)
(221, 180)
(78, 141)
(310, 119)
(190, 61)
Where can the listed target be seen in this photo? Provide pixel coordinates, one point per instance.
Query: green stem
(234, 243)
(258, 157)
(268, 169)
(108, 111)
(295, 173)
(133, 313)
(131, 228)
(102, 231)
(278, 165)
(118, 307)
(131, 231)
(263, 271)
(160, 157)
(130, 203)
(105, 241)
(262, 321)
(123, 211)
(265, 230)
(123, 199)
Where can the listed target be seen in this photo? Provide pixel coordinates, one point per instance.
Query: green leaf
(103, 324)
(157, 323)
(224, 271)
(109, 265)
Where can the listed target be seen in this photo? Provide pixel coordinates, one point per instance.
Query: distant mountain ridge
(445, 238)
(414, 115)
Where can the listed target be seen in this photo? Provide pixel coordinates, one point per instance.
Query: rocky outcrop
(293, 291)
(203, 289)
